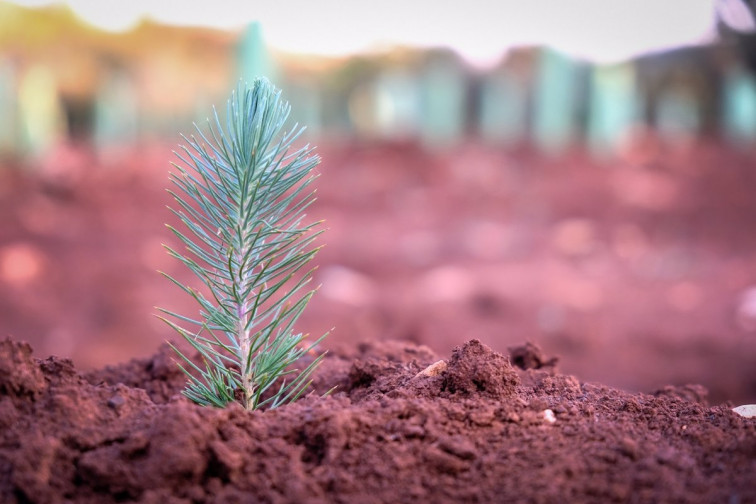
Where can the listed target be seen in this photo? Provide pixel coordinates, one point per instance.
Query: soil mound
(476, 369)
(403, 426)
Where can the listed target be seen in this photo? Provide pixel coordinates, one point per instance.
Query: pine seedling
(241, 191)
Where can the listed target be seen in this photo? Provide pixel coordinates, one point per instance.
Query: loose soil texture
(403, 426)
(638, 272)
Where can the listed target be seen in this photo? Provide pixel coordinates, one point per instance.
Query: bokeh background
(576, 174)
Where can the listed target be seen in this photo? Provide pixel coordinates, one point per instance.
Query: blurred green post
(116, 113)
(306, 106)
(678, 114)
(253, 58)
(614, 107)
(444, 101)
(398, 106)
(503, 108)
(556, 104)
(739, 107)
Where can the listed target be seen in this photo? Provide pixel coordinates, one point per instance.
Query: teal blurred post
(503, 108)
(444, 101)
(739, 108)
(678, 114)
(399, 111)
(253, 58)
(116, 121)
(556, 105)
(614, 107)
(306, 105)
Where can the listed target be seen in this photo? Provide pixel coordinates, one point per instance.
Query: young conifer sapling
(241, 191)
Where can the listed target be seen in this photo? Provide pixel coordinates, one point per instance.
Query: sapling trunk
(241, 195)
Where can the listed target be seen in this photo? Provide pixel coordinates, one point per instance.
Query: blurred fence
(64, 82)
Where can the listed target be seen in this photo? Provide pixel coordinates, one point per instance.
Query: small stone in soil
(746, 410)
(116, 402)
(434, 369)
(548, 415)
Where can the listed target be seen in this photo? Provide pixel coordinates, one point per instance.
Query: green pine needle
(241, 192)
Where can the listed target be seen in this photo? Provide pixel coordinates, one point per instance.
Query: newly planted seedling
(241, 194)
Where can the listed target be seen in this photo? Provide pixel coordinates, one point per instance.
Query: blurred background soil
(637, 274)
(510, 180)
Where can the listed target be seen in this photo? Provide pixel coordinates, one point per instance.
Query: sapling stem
(241, 196)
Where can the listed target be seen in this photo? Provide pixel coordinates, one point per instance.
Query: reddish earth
(639, 272)
(474, 429)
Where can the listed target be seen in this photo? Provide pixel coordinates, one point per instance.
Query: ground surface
(639, 271)
(472, 428)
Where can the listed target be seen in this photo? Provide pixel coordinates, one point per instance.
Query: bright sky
(480, 30)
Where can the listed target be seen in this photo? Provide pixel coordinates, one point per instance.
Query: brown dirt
(639, 271)
(476, 430)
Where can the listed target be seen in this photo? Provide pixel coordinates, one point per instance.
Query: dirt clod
(475, 369)
(472, 433)
(19, 376)
(530, 356)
